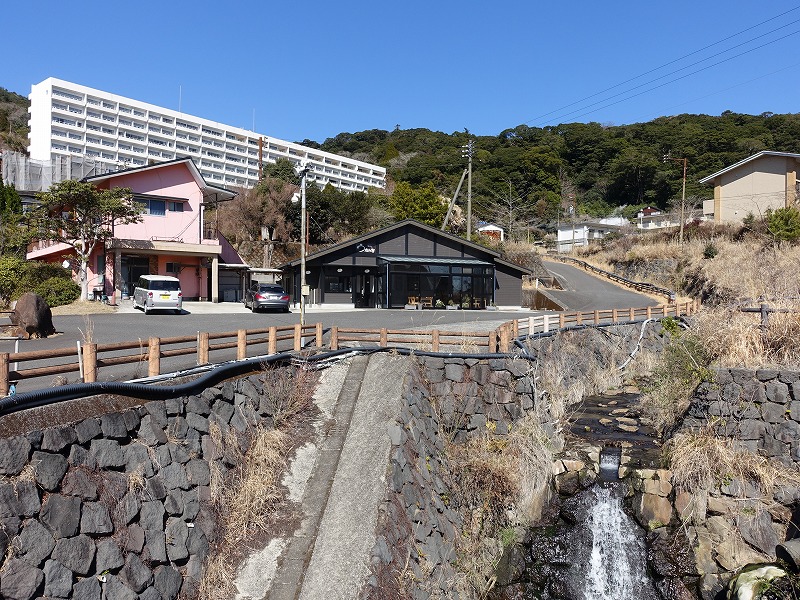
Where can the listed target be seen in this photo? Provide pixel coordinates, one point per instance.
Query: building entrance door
(364, 291)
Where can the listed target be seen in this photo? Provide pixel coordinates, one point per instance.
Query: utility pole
(302, 170)
(468, 151)
(685, 162)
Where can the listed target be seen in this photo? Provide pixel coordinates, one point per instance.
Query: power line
(558, 110)
(665, 83)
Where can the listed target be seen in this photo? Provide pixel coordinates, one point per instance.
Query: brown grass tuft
(701, 461)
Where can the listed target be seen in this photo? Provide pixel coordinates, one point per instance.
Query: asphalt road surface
(584, 291)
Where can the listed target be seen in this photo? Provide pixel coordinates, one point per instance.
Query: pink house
(173, 237)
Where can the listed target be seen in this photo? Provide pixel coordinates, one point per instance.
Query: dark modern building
(408, 263)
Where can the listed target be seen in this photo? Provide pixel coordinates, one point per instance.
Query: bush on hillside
(784, 224)
(49, 280)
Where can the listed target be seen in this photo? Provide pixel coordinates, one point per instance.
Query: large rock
(32, 316)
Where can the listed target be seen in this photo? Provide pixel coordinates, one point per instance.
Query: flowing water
(593, 550)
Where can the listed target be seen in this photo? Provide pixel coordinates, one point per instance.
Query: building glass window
(338, 284)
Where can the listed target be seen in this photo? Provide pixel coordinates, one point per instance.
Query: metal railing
(641, 286)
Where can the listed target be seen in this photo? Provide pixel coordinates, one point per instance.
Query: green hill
(13, 121)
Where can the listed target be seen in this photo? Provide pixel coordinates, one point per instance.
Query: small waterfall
(617, 566)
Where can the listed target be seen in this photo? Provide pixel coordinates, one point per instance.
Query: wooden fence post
(561, 320)
(504, 338)
(334, 338)
(4, 384)
(89, 363)
(515, 328)
(492, 342)
(531, 326)
(614, 315)
(319, 335)
(665, 310)
(384, 337)
(272, 344)
(153, 356)
(597, 317)
(579, 318)
(435, 340)
(241, 344)
(202, 348)
(631, 314)
(298, 334)
(649, 312)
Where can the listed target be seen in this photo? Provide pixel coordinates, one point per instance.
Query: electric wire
(677, 60)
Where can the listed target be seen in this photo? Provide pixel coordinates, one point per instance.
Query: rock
(77, 483)
(57, 580)
(107, 453)
(168, 582)
(61, 515)
(35, 543)
(14, 454)
(20, 581)
(116, 589)
(134, 574)
(32, 316)
(95, 519)
(55, 439)
(77, 553)
(49, 469)
(108, 556)
(87, 589)
(752, 581)
(733, 553)
(757, 530)
(652, 511)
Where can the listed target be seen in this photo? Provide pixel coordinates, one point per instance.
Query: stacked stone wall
(117, 506)
(759, 408)
(447, 399)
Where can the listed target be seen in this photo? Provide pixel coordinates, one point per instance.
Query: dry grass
(701, 461)
(84, 307)
(247, 503)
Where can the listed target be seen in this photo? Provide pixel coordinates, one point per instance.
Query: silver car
(266, 295)
(158, 292)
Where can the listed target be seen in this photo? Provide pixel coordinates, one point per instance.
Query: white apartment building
(67, 119)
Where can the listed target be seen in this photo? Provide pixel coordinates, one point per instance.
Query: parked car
(158, 292)
(266, 295)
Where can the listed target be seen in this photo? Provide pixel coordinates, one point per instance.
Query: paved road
(583, 291)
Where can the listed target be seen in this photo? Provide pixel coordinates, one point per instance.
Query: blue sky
(314, 69)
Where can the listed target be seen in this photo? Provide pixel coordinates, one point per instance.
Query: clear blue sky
(314, 69)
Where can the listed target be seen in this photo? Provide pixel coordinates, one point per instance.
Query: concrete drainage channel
(339, 482)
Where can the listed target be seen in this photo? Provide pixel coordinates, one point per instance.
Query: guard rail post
(334, 338)
(435, 340)
(202, 347)
(272, 344)
(4, 374)
(89, 363)
(319, 334)
(515, 328)
(153, 357)
(597, 317)
(492, 342)
(664, 310)
(504, 338)
(614, 315)
(241, 344)
(579, 317)
(649, 312)
(298, 334)
(561, 320)
(631, 314)
(384, 337)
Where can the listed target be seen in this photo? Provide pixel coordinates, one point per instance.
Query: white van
(158, 292)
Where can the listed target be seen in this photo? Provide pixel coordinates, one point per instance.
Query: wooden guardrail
(502, 339)
(641, 286)
(93, 357)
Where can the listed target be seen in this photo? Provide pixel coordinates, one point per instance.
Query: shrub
(784, 223)
(710, 251)
(58, 291)
(11, 271)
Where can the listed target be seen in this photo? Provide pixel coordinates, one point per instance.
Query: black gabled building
(407, 262)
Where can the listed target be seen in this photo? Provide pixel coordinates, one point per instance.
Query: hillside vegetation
(13, 121)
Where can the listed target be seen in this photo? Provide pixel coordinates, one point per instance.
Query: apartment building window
(175, 206)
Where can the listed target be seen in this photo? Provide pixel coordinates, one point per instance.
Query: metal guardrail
(641, 286)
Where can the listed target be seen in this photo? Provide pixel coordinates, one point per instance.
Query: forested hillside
(13, 121)
(528, 172)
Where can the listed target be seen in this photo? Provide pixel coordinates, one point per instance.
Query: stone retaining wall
(447, 398)
(117, 506)
(760, 408)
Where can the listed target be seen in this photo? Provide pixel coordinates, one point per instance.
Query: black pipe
(144, 391)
